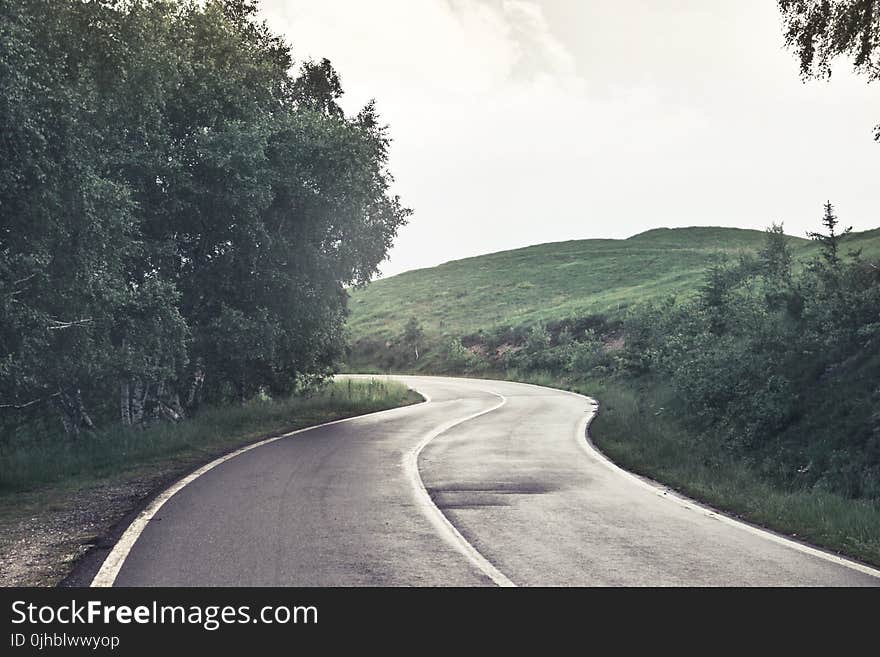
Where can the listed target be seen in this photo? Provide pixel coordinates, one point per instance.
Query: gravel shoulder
(44, 533)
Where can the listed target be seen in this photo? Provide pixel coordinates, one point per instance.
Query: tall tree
(831, 239)
(179, 215)
(775, 256)
(67, 225)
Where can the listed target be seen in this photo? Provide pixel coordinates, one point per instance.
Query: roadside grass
(31, 461)
(637, 429)
(57, 498)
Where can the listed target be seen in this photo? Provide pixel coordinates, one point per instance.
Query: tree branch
(14, 285)
(19, 407)
(57, 325)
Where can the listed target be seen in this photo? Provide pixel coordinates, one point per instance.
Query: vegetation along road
(489, 482)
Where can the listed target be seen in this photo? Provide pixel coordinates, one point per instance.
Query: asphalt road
(518, 497)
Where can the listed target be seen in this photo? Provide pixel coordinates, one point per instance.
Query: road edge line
(441, 523)
(113, 562)
(583, 438)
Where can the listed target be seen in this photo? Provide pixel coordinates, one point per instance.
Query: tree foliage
(830, 240)
(179, 215)
(820, 31)
(779, 365)
(413, 334)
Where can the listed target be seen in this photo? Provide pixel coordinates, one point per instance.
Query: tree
(822, 30)
(830, 241)
(68, 226)
(412, 335)
(714, 295)
(180, 215)
(318, 87)
(775, 256)
(776, 260)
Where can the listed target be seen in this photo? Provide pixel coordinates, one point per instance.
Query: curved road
(516, 497)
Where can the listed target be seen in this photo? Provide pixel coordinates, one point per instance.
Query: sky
(518, 122)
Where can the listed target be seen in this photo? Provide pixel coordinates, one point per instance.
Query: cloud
(517, 122)
(480, 96)
(425, 48)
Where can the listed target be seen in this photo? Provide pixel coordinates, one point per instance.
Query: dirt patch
(45, 533)
(478, 350)
(615, 344)
(506, 348)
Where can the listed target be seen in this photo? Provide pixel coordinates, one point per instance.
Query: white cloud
(523, 121)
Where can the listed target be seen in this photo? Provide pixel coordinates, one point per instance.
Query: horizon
(600, 239)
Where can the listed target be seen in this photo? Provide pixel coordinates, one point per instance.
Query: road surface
(487, 483)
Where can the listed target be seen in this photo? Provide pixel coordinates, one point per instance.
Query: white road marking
(582, 436)
(441, 523)
(113, 562)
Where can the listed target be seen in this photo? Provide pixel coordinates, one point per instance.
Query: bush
(457, 357)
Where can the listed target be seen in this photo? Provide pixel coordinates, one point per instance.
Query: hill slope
(556, 281)
(759, 398)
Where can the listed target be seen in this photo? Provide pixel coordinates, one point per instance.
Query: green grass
(636, 430)
(50, 461)
(556, 281)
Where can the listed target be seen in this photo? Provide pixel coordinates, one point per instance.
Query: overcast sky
(518, 122)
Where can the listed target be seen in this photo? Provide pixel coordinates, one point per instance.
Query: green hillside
(756, 391)
(556, 281)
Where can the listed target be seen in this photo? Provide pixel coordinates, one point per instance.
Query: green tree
(822, 30)
(775, 256)
(715, 295)
(830, 240)
(318, 87)
(68, 227)
(413, 335)
(179, 215)
(776, 260)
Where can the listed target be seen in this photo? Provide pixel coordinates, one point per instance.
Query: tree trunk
(73, 412)
(125, 403)
(138, 395)
(194, 395)
(71, 426)
(163, 409)
(142, 403)
(176, 406)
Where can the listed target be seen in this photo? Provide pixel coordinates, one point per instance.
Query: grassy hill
(556, 281)
(760, 397)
